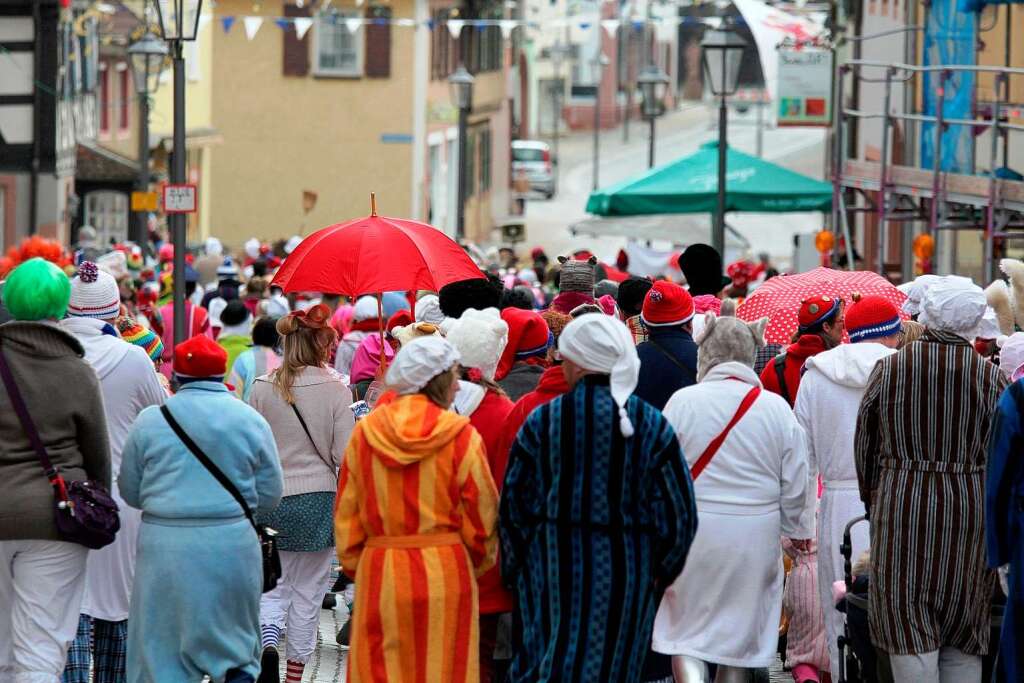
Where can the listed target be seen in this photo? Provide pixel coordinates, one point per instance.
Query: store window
(107, 211)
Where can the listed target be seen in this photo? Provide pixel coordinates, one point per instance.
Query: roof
(690, 185)
(97, 164)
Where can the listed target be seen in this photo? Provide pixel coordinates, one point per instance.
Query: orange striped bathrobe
(415, 525)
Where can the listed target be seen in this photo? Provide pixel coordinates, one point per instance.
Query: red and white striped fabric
(779, 299)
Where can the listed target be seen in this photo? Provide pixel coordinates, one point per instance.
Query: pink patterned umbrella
(779, 299)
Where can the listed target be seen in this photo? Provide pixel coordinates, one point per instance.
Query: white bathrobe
(725, 606)
(129, 384)
(826, 407)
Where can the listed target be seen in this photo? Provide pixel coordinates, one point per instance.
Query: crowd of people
(546, 473)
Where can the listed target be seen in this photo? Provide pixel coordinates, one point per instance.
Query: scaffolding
(942, 201)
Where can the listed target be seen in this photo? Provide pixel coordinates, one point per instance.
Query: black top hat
(702, 267)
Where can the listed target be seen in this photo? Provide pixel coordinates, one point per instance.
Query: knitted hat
(871, 317)
(166, 253)
(528, 336)
(480, 337)
(556, 322)
(666, 305)
(577, 276)
(227, 271)
(816, 310)
(399, 319)
(35, 290)
(134, 333)
(94, 293)
(702, 267)
(200, 356)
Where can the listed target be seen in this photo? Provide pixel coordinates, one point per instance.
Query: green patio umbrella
(690, 185)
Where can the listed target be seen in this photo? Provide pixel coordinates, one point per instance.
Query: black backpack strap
(208, 464)
(675, 361)
(780, 374)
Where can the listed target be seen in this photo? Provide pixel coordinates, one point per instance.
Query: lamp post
(147, 57)
(179, 21)
(558, 53)
(600, 62)
(461, 84)
(723, 52)
(653, 83)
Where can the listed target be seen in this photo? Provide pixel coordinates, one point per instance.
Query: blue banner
(949, 39)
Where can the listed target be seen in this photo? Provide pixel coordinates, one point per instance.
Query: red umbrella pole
(380, 327)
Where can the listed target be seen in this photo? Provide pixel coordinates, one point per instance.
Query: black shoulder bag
(675, 361)
(309, 436)
(85, 512)
(267, 536)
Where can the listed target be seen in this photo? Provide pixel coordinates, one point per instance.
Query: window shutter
(296, 52)
(378, 43)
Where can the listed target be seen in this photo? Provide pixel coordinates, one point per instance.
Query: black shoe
(330, 601)
(344, 634)
(270, 666)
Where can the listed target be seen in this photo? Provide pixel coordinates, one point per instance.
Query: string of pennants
(301, 25)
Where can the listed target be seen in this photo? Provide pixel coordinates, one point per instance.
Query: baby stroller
(858, 660)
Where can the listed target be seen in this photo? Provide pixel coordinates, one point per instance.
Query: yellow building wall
(283, 135)
(198, 91)
(994, 51)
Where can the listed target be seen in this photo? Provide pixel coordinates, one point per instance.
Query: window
(125, 98)
(339, 51)
(444, 50)
(107, 211)
(484, 143)
(104, 99)
(483, 50)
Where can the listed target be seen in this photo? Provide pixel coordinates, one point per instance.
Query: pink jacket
(367, 358)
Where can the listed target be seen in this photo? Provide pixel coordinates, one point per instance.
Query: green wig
(36, 290)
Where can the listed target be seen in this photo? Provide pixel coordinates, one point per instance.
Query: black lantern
(461, 84)
(179, 19)
(147, 55)
(653, 84)
(723, 53)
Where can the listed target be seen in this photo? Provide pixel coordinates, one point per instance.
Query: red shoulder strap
(705, 458)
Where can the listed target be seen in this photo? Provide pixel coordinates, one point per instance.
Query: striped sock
(270, 635)
(294, 672)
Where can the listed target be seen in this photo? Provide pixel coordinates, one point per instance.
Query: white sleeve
(806, 396)
(797, 514)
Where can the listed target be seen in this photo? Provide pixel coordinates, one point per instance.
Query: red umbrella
(779, 299)
(375, 254)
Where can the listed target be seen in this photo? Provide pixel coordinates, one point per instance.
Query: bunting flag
(252, 26)
(610, 26)
(227, 23)
(455, 27)
(507, 26)
(352, 24)
(204, 20)
(302, 26)
(282, 23)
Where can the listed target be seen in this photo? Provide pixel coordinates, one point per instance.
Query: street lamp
(600, 62)
(147, 57)
(723, 52)
(461, 84)
(653, 83)
(179, 21)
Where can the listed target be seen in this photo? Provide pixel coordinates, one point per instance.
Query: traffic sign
(179, 198)
(144, 201)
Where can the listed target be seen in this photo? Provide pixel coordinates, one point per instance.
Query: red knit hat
(200, 356)
(871, 317)
(818, 309)
(528, 336)
(400, 319)
(667, 304)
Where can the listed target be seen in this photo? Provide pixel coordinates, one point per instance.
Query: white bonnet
(418, 362)
(365, 309)
(953, 304)
(428, 310)
(603, 344)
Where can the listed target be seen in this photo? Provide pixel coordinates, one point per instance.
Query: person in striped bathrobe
(921, 448)
(597, 515)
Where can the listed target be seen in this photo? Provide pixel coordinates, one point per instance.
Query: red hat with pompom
(667, 304)
(871, 317)
(816, 310)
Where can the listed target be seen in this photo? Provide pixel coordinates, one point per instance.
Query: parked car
(532, 159)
